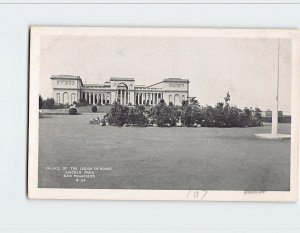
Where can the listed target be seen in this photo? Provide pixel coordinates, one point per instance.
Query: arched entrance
(123, 94)
(176, 99)
(65, 98)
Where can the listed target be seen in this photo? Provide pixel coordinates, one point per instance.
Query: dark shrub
(117, 115)
(164, 115)
(94, 109)
(162, 101)
(136, 116)
(189, 114)
(82, 102)
(221, 115)
(184, 103)
(59, 106)
(72, 111)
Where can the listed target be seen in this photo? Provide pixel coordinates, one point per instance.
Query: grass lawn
(162, 158)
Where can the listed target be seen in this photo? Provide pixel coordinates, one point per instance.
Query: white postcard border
(184, 195)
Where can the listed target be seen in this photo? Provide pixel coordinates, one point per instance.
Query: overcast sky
(247, 68)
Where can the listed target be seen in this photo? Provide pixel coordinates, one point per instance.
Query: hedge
(190, 114)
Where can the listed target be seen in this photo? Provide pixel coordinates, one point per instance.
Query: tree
(40, 101)
(48, 103)
(191, 113)
(257, 117)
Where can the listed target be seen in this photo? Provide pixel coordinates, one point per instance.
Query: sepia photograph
(163, 114)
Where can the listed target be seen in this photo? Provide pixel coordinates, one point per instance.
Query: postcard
(190, 114)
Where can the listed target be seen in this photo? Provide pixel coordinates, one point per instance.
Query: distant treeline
(281, 119)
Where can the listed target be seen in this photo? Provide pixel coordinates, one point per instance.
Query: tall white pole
(275, 104)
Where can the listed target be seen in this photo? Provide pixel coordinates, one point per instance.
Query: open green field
(162, 158)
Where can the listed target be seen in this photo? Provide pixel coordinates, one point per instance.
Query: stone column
(90, 97)
(121, 97)
(124, 97)
(152, 101)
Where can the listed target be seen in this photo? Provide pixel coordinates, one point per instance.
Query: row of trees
(190, 114)
(49, 103)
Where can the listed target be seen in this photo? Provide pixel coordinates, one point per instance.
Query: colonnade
(148, 98)
(96, 97)
(123, 97)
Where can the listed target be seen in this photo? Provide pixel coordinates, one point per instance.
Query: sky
(247, 68)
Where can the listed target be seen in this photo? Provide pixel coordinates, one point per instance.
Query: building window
(183, 98)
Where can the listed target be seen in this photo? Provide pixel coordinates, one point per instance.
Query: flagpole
(275, 103)
(274, 131)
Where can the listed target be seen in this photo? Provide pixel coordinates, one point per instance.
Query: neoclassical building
(70, 88)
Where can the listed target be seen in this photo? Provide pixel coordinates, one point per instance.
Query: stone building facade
(70, 88)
